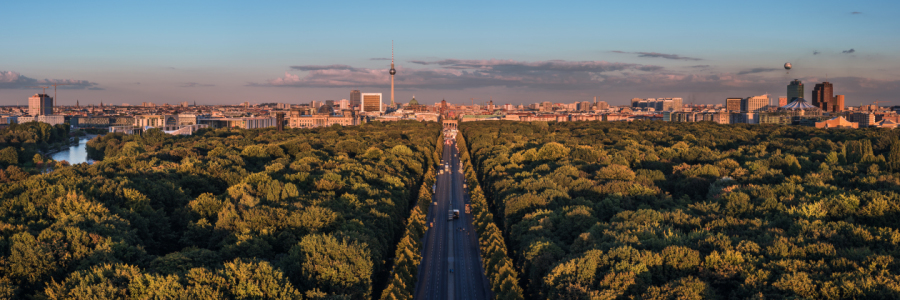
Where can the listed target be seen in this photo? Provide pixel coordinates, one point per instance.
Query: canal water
(75, 154)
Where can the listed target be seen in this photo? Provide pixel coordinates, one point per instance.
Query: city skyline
(235, 52)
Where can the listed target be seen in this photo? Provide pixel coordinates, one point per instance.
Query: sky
(517, 52)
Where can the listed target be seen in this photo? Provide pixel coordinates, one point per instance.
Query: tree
(9, 156)
(552, 151)
(322, 262)
(29, 260)
(615, 172)
(893, 160)
(131, 149)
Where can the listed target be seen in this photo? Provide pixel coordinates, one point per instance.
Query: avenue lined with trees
(659, 210)
(408, 256)
(224, 214)
(574, 210)
(497, 264)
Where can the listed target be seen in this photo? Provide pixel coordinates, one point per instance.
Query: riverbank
(60, 147)
(75, 153)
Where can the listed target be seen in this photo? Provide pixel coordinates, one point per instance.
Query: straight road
(451, 263)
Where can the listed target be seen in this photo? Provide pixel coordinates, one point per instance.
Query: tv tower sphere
(787, 66)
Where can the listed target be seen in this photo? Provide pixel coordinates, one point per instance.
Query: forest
(21, 146)
(223, 214)
(660, 210)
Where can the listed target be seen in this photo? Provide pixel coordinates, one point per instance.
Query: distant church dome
(326, 109)
(413, 101)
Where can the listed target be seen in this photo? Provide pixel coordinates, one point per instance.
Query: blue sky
(513, 52)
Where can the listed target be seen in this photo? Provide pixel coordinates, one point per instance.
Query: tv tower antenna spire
(393, 71)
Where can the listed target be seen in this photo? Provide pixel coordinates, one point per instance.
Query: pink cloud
(569, 77)
(14, 80)
(459, 74)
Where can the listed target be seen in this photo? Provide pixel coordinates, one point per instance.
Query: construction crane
(41, 87)
(54, 91)
(473, 101)
(876, 105)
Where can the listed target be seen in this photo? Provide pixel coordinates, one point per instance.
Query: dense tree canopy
(21, 145)
(693, 210)
(221, 214)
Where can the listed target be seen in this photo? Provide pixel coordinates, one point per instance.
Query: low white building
(49, 119)
(243, 122)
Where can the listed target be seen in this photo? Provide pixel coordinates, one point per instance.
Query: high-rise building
(733, 104)
(752, 104)
(638, 102)
(344, 104)
(546, 106)
(795, 90)
(371, 102)
(823, 96)
(839, 103)
(782, 101)
(584, 106)
(355, 98)
(602, 105)
(393, 105)
(279, 121)
(40, 105)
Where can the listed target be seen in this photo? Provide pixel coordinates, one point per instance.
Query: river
(75, 154)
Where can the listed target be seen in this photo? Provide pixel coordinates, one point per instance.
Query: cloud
(380, 58)
(320, 68)
(195, 84)
(526, 82)
(757, 70)
(550, 65)
(14, 80)
(856, 13)
(461, 74)
(658, 55)
(700, 66)
(848, 51)
(815, 52)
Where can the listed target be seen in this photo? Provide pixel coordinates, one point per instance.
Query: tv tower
(393, 71)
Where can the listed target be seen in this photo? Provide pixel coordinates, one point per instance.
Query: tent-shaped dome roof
(799, 104)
